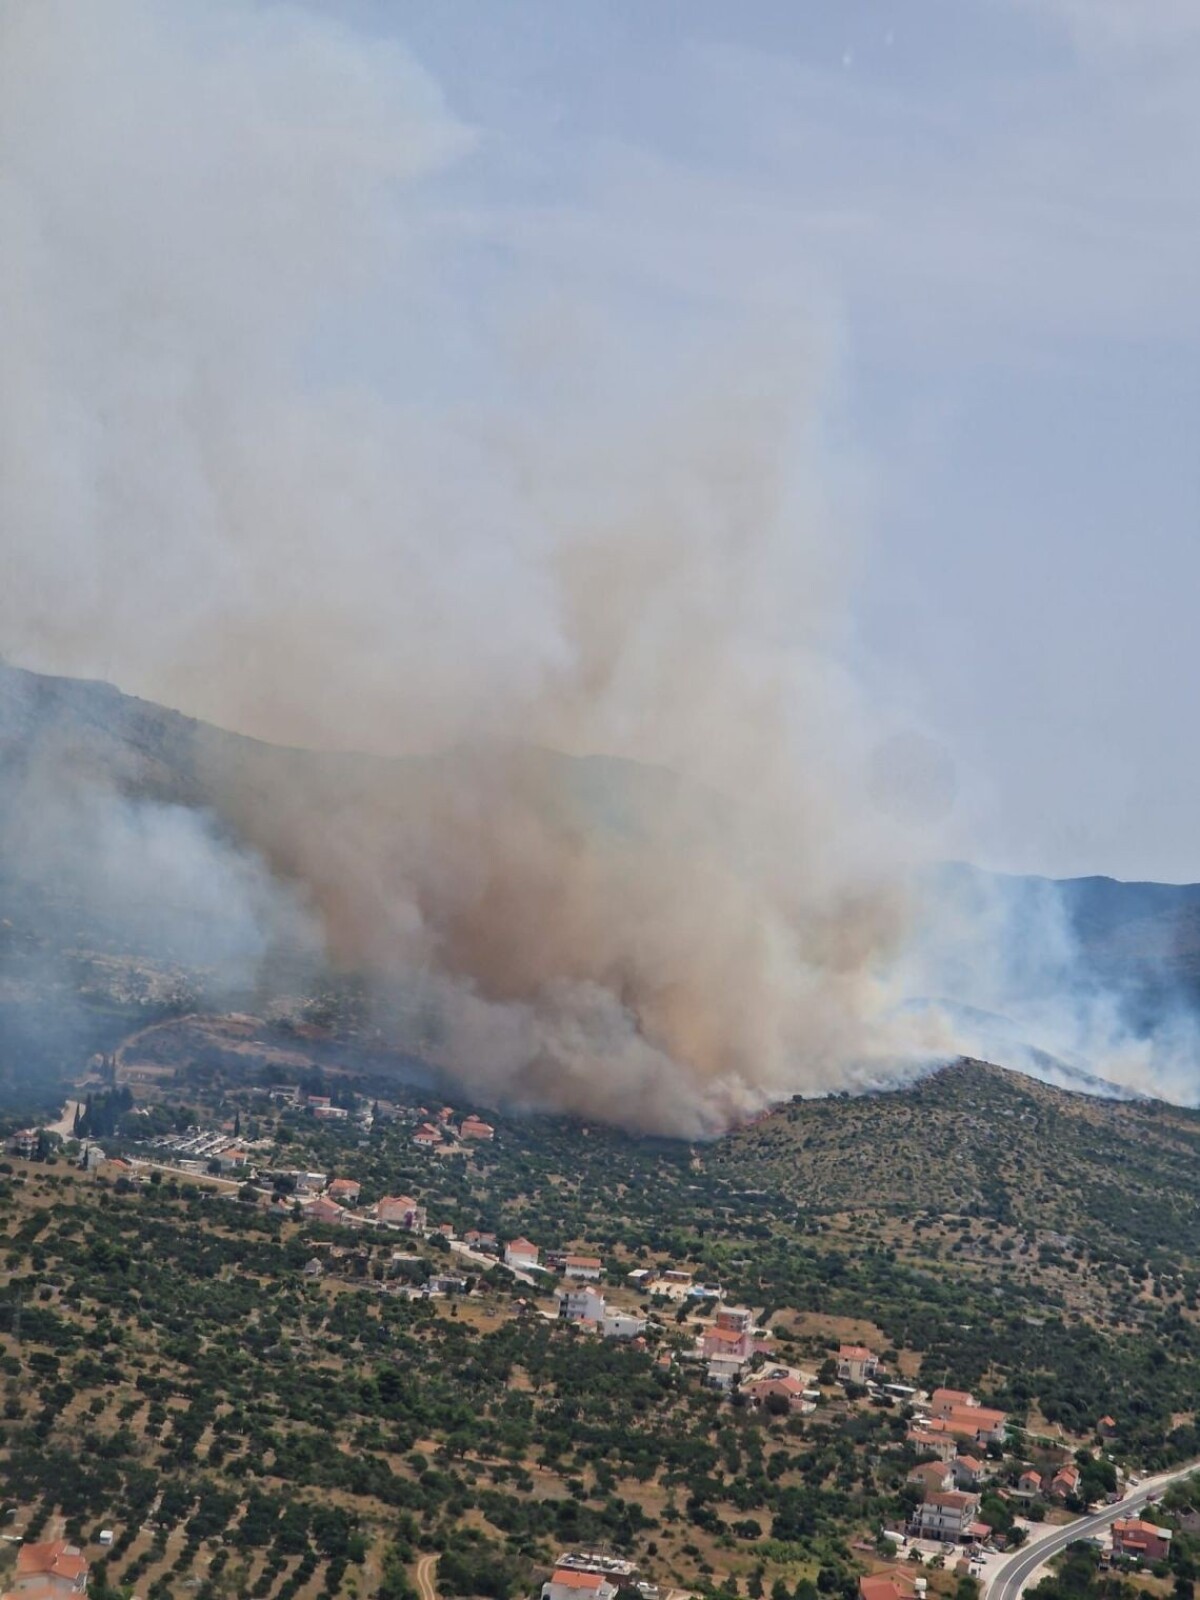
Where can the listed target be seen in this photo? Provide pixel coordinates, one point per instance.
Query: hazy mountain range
(103, 890)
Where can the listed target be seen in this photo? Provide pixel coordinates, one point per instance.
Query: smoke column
(265, 458)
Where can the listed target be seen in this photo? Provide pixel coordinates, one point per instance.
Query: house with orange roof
(1029, 1484)
(855, 1363)
(521, 1254)
(778, 1386)
(400, 1211)
(476, 1128)
(344, 1190)
(584, 1267)
(1140, 1541)
(946, 1516)
(427, 1137)
(1107, 1427)
(943, 1401)
(979, 1425)
(932, 1477)
(723, 1342)
(927, 1441)
(323, 1210)
(893, 1585)
(969, 1471)
(566, 1583)
(1063, 1484)
(54, 1568)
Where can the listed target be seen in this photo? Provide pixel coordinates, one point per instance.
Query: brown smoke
(668, 935)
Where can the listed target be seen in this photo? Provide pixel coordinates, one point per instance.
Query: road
(1008, 1580)
(425, 1571)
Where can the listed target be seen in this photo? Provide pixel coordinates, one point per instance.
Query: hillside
(316, 1430)
(151, 864)
(974, 1139)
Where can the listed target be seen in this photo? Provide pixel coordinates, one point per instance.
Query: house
(344, 1190)
(723, 1342)
(855, 1363)
(932, 1477)
(944, 1401)
(723, 1372)
(521, 1254)
(307, 1182)
(330, 1113)
(887, 1586)
(476, 1128)
(401, 1211)
(969, 1472)
(56, 1568)
(231, 1158)
(1140, 1541)
(946, 1515)
(581, 1305)
(929, 1443)
(481, 1241)
(589, 1267)
(622, 1325)
(565, 1583)
(1107, 1428)
(736, 1319)
(446, 1283)
(25, 1143)
(427, 1137)
(1029, 1484)
(1063, 1484)
(313, 1268)
(788, 1389)
(323, 1210)
(974, 1424)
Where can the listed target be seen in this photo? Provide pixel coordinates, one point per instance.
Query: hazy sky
(965, 232)
(986, 213)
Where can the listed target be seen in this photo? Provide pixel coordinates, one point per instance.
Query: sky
(986, 214)
(966, 231)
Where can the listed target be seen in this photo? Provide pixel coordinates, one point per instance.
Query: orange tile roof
(570, 1579)
(56, 1559)
(886, 1586)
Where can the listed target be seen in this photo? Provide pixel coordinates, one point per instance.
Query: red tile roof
(571, 1579)
(886, 1586)
(56, 1559)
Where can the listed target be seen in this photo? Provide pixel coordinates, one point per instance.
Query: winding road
(1008, 1580)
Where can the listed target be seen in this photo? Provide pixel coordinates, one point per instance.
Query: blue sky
(988, 217)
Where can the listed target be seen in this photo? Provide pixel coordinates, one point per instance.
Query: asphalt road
(1008, 1580)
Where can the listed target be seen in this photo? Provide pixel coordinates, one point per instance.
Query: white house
(520, 1253)
(567, 1584)
(947, 1516)
(581, 1305)
(583, 1267)
(622, 1325)
(856, 1363)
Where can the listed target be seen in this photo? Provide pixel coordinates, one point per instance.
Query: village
(976, 1485)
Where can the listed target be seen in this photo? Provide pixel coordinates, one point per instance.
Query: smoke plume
(241, 476)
